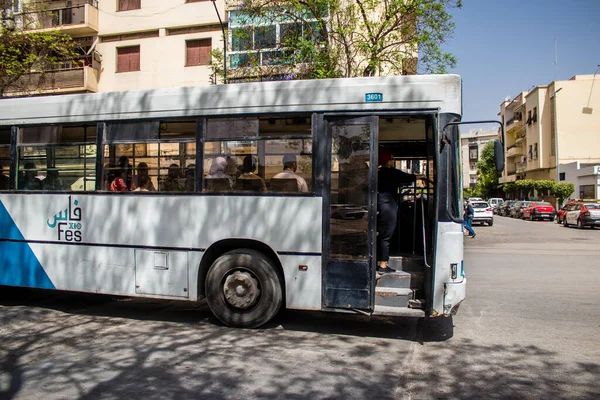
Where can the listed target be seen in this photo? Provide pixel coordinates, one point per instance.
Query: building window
(587, 192)
(530, 152)
(561, 176)
(535, 151)
(473, 153)
(197, 52)
(128, 59)
(534, 116)
(195, 1)
(126, 5)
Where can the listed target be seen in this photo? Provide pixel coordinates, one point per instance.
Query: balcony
(80, 19)
(514, 151)
(521, 167)
(74, 80)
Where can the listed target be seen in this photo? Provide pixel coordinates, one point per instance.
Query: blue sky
(505, 47)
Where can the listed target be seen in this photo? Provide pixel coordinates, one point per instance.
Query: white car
(496, 203)
(482, 212)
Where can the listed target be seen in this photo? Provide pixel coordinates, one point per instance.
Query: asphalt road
(528, 329)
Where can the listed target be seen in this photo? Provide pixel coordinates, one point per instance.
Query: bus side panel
(448, 291)
(152, 245)
(302, 282)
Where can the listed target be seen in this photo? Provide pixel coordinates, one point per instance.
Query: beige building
(554, 124)
(131, 44)
(471, 146)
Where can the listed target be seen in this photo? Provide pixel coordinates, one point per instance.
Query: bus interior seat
(283, 185)
(248, 185)
(217, 185)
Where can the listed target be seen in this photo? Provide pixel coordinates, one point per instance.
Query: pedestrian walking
(468, 218)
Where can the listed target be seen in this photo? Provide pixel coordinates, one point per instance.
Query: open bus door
(350, 213)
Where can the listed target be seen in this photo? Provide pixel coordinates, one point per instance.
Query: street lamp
(224, 42)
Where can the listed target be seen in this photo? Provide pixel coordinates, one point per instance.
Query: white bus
(212, 220)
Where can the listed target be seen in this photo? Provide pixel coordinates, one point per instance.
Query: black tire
(557, 220)
(491, 223)
(580, 224)
(565, 223)
(257, 276)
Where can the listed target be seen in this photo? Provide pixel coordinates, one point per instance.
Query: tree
(487, 174)
(342, 38)
(28, 56)
(562, 190)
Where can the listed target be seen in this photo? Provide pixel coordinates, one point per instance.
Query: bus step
(398, 311)
(393, 297)
(401, 279)
(407, 263)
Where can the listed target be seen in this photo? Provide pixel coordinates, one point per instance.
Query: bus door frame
(348, 283)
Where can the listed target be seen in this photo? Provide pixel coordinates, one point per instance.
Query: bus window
(163, 151)
(57, 158)
(4, 158)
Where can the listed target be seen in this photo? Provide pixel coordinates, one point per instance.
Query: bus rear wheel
(244, 289)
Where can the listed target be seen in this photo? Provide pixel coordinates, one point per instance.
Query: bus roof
(441, 93)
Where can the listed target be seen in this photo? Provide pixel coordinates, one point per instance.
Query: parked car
(539, 210)
(505, 209)
(471, 199)
(581, 214)
(560, 214)
(347, 211)
(517, 210)
(482, 212)
(496, 203)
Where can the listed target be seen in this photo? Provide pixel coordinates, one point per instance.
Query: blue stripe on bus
(18, 264)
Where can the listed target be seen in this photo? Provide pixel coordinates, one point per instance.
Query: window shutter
(198, 52)
(126, 5)
(128, 59)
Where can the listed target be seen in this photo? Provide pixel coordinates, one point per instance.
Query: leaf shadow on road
(82, 346)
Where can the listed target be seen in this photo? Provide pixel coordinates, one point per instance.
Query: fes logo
(68, 226)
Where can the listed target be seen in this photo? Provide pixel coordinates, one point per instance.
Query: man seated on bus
(29, 180)
(248, 180)
(289, 172)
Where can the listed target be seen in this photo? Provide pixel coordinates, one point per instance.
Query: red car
(579, 213)
(539, 210)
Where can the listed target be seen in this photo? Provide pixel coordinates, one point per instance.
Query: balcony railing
(514, 151)
(74, 80)
(81, 18)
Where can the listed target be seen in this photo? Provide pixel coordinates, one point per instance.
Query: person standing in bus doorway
(289, 172)
(468, 218)
(390, 180)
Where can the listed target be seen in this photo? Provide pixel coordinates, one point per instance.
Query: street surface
(528, 329)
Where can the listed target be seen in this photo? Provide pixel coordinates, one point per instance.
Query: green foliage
(509, 188)
(544, 187)
(562, 190)
(27, 55)
(471, 192)
(333, 38)
(525, 186)
(487, 174)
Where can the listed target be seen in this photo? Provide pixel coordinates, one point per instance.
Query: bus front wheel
(243, 289)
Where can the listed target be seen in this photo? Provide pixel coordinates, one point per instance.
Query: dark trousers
(387, 215)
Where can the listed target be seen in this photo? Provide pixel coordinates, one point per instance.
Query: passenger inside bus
(172, 182)
(248, 180)
(29, 181)
(4, 180)
(52, 181)
(218, 170)
(142, 170)
(289, 173)
(390, 180)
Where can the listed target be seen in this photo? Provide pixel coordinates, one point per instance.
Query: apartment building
(145, 44)
(131, 44)
(551, 126)
(471, 146)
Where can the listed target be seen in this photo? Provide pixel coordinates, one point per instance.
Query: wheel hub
(241, 290)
